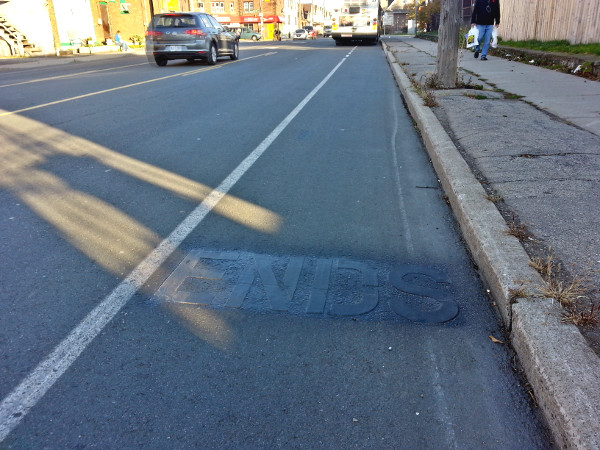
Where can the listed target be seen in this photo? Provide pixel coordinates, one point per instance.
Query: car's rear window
(301, 30)
(174, 21)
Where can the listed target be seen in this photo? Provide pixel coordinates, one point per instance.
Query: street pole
(447, 51)
(54, 25)
(262, 33)
(416, 16)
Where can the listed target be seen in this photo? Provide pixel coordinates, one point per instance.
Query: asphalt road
(255, 254)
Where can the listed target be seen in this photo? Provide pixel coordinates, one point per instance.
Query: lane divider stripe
(91, 94)
(31, 390)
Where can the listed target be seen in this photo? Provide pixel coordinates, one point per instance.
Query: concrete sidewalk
(573, 99)
(538, 157)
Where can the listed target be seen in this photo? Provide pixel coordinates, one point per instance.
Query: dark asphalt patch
(303, 285)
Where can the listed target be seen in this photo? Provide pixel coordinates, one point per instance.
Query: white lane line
(71, 75)
(140, 83)
(31, 390)
(193, 72)
(91, 94)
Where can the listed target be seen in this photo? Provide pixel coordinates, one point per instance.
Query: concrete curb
(563, 371)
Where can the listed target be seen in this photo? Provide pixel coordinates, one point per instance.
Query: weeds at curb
(429, 99)
(462, 84)
(509, 96)
(544, 266)
(569, 293)
(475, 74)
(479, 97)
(583, 317)
(432, 82)
(425, 93)
(566, 293)
(518, 292)
(517, 230)
(494, 197)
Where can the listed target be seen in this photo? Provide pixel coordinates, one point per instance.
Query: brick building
(130, 17)
(51, 25)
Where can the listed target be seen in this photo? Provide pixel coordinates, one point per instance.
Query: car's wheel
(160, 61)
(255, 38)
(236, 51)
(212, 55)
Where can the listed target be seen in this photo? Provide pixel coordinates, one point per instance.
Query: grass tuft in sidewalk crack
(574, 294)
(519, 291)
(494, 197)
(424, 92)
(517, 229)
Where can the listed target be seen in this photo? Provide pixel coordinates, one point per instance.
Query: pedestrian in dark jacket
(486, 16)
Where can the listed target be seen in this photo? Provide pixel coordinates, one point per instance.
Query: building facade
(49, 25)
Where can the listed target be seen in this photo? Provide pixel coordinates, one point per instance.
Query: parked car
(327, 30)
(312, 31)
(300, 34)
(245, 33)
(189, 35)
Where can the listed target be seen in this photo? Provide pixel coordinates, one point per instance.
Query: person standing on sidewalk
(486, 16)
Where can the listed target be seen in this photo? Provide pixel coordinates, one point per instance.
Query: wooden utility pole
(447, 52)
(416, 17)
(53, 25)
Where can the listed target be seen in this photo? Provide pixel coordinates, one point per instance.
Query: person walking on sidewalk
(486, 16)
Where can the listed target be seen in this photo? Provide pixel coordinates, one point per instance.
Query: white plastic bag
(494, 43)
(472, 38)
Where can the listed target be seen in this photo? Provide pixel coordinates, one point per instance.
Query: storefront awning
(228, 19)
(266, 19)
(273, 19)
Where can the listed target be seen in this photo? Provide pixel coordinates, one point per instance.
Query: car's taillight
(151, 33)
(196, 32)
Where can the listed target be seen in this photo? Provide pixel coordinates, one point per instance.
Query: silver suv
(191, 36)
